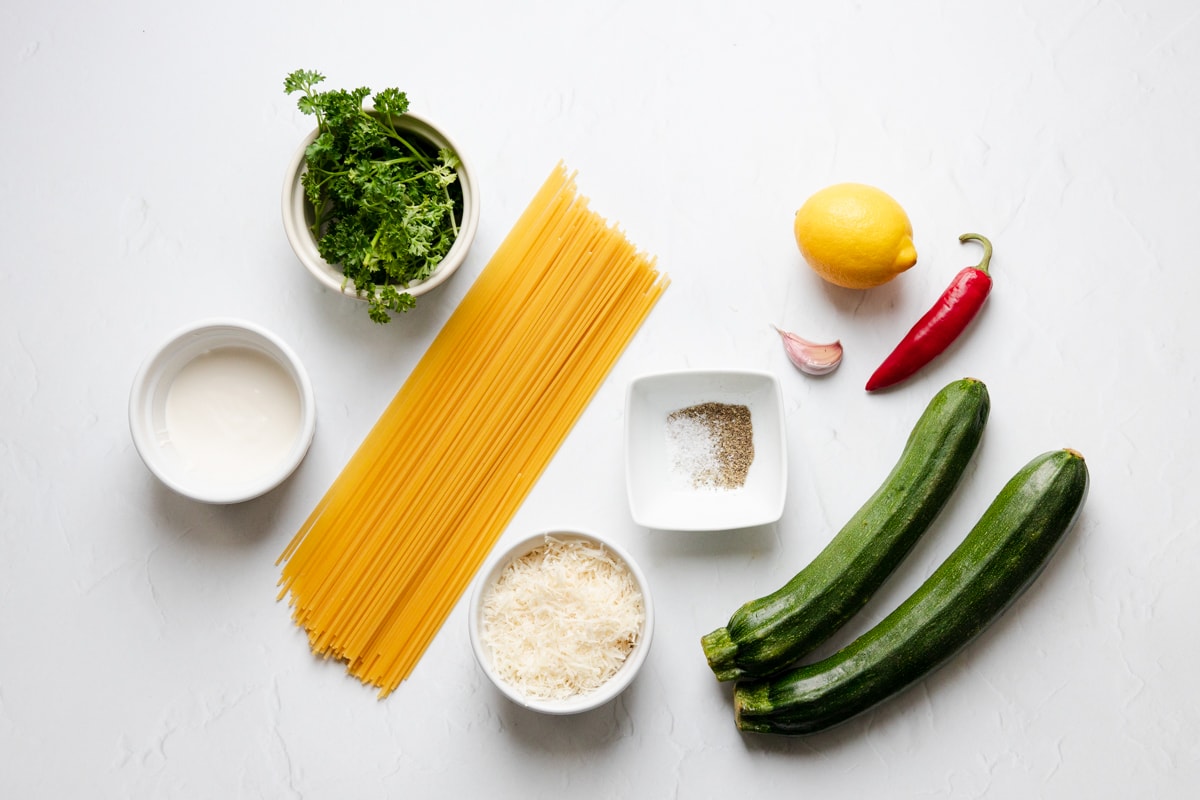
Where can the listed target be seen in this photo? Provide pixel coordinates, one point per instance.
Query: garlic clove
(810, 357)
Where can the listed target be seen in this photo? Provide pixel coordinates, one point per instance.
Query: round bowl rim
(145, 383)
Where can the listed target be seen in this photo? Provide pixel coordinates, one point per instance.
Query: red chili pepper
(941, 324)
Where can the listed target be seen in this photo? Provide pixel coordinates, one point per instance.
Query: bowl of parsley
(378, 202)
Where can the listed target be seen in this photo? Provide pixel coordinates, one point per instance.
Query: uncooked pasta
(384, 556)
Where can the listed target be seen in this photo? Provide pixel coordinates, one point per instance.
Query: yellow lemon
(855, 235)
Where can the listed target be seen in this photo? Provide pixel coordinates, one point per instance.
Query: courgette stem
(721, 651)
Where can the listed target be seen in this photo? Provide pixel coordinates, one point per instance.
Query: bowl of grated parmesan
(561, 621)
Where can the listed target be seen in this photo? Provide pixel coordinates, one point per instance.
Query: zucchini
(1005, 551)
(766, 635)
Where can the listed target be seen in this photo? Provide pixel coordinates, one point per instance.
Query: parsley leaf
(386, 202)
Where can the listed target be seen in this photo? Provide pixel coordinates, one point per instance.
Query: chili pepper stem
(982, 266)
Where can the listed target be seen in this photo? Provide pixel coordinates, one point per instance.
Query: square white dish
(659, 497)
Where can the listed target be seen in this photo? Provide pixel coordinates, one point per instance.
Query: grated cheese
(561, 620)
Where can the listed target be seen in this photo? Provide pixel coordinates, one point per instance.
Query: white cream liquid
(232, 415)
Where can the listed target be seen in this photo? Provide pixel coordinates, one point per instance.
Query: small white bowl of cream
(223, 411)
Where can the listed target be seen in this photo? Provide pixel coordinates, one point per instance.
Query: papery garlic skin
(810, 357)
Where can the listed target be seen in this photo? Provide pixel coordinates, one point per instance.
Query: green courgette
(767, 635)
(1005, 551)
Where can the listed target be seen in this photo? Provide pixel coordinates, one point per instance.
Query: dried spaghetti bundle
(387, 552)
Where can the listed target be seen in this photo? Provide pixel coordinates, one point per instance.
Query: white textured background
(142, 652)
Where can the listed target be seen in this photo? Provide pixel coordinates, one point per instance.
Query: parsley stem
(390, 130)
(450, 213)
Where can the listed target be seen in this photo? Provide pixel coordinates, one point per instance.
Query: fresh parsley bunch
(385, 202)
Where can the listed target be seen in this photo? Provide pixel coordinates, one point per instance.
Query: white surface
(661, 495)
(144, 653)
(490, 573)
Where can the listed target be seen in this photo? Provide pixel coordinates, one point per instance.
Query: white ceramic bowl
(298, 215)
(256, 360)
(658, 496)
(580, 703)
